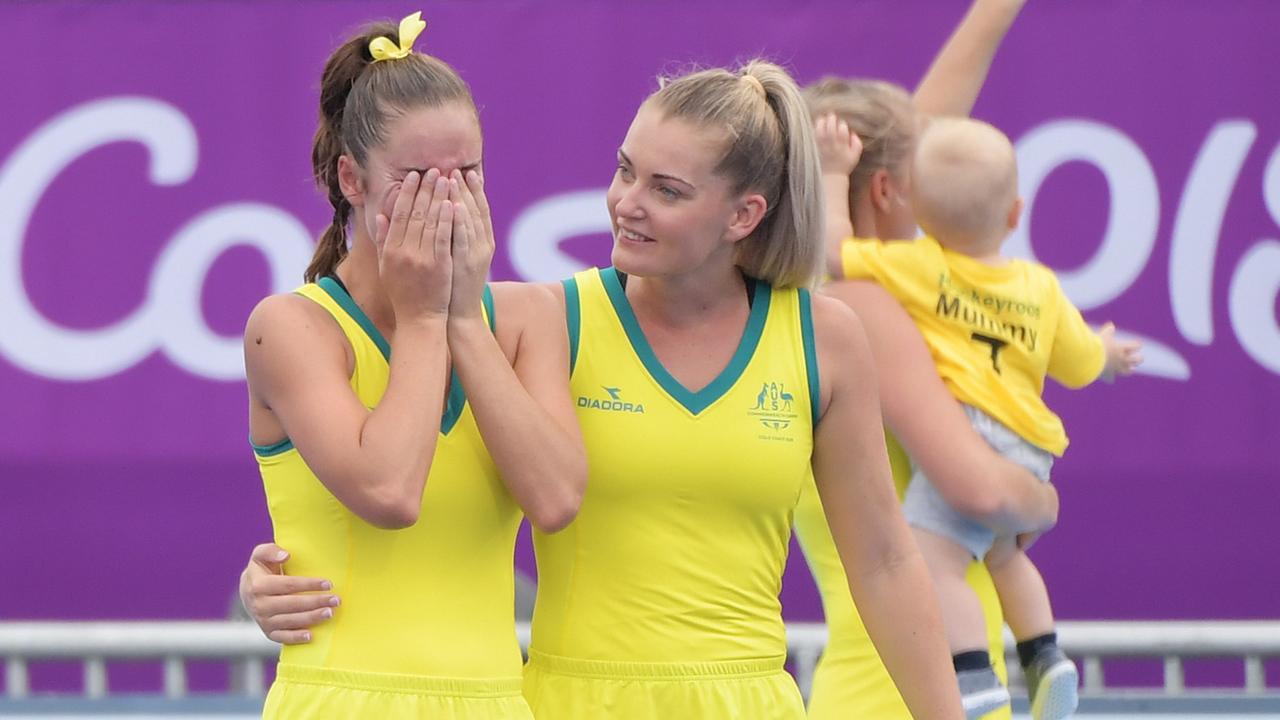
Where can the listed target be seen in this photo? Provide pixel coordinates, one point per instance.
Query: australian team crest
(775, 407)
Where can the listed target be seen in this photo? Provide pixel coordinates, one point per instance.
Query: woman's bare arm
(888, 578)
(955, 78)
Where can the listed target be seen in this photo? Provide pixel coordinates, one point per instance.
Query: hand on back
(283, 606)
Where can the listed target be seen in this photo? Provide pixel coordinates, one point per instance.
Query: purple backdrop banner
(154, 184)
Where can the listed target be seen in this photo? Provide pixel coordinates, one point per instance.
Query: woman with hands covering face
(399, 433)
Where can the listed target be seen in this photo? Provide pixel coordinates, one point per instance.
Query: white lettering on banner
(1125, 250)
(1135, 203)
(179, 276)
(1199, 224)
(1131, 228)
(171, 317)
(538, 231)
(1252, 304)
(1132, 224)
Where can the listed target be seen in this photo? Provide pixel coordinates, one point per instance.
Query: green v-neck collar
(694, 402)
(457, 398)
(338, 292)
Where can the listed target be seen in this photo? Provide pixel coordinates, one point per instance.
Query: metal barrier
(175, 643)
(94, 643)
(1089, 643)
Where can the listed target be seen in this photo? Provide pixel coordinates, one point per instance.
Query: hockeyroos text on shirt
(170, 319)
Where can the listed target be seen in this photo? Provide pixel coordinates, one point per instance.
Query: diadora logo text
(613, 403)
(775, 407)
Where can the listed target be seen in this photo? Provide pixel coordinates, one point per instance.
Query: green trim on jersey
(573, 318)
(454, 404)
(340, 296)
(486, 299)
(694, 402)
(456, 400)
(810, 352)
(283, 446)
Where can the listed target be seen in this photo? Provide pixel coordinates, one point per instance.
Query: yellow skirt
(310, 692)
(559, 688)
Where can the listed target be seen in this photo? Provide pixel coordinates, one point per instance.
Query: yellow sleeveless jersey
(851, 680)
(994, 331)
(676, 555)
(434, 599)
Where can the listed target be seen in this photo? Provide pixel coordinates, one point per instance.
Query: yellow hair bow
(382, 48)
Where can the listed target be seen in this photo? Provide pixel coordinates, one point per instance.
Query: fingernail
(326, 585)
(306, 637)
(326, 613)
(281, 556)
(334, 601)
